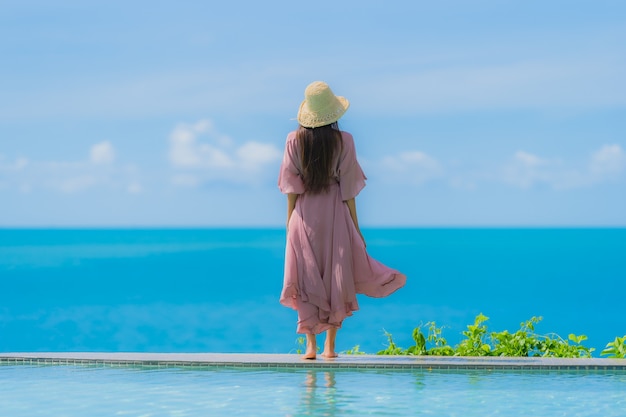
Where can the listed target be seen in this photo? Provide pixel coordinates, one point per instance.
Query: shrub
(479, 341)
(616, 348)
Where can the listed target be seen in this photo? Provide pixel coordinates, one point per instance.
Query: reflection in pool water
(319, 396)
(74, 391)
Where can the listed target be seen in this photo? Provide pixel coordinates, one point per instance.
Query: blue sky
(481, 113)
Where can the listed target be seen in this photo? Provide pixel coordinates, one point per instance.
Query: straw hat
(320, 106)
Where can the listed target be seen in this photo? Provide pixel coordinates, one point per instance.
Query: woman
(326, 263)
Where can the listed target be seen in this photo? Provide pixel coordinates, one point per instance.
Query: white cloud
(187, 152)
(527, 170)
(134, 187)
(524, 170)
(529, 160)
(206, 155)
(102, 153)
(18, 164)
(13, 173)
(255, 154)
(186, 180)
(608, 162)
(411, 167)
(70, 177)
(75, 184)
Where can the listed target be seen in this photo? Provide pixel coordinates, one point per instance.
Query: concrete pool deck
(263, 360)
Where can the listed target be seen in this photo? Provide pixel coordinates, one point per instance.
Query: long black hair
(319, 147)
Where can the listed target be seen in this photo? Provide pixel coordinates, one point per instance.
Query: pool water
(134, 391)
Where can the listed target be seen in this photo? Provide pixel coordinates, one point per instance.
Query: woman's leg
(311, 347)
(329, 345)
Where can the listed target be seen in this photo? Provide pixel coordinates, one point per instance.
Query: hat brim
(307, 118)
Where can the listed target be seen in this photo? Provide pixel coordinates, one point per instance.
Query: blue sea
(217, 290)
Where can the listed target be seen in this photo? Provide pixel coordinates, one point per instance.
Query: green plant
(419, 348)
(354, 351)
(474, 344)
(392, 348)
(301, 345)
(431, 344)
(521, 343)
(479, 341)
(616, 348)
(557, 347)
(438, 344)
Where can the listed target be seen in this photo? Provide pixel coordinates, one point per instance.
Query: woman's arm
(352, 207)
(291, 205)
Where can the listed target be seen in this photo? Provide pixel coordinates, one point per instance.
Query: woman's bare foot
(329, 345)
(310, 355)
(311, 347)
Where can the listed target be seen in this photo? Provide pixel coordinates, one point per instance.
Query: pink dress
(326, 263)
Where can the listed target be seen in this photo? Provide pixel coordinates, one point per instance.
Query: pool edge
(242, 360)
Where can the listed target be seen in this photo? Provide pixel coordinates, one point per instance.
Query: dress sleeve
(351, 176)
(289, 177)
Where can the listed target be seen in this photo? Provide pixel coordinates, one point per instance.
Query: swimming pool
(83, 390)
